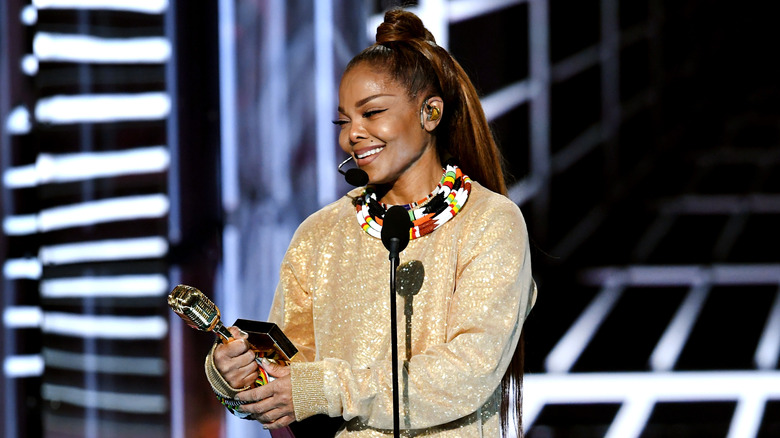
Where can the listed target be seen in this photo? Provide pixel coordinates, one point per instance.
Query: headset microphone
(356, 177)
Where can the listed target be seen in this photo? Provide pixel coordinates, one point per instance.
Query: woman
(407, 114)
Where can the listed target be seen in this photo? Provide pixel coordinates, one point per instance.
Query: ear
(434, 111)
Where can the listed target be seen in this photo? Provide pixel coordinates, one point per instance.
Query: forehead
(364, 80)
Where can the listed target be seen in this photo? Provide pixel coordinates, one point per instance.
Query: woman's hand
(273, 405)
(235, 361)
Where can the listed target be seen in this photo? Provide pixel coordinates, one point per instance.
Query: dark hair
(408, 52)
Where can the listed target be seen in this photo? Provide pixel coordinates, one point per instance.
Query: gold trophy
(200, 313)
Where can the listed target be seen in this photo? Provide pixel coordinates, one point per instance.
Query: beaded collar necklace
(427, 214)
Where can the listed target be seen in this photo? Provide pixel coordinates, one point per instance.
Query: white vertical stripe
(172, 130)
(228, 104)
(323, 62)
(177, 362)
(539, 111)
(435, 15)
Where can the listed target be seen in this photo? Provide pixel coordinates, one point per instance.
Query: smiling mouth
(369, 153)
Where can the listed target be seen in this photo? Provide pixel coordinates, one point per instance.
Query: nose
(357, 132)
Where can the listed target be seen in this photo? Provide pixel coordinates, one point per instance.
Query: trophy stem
(223, 333)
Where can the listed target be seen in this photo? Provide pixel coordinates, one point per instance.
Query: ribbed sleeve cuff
(308, 389)
(218, 383)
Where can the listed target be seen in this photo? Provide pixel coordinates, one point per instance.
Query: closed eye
(373, 112)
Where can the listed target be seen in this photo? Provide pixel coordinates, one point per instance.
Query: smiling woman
(381, 127)
(412, 120)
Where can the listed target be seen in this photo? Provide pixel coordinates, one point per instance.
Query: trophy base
(268, 340)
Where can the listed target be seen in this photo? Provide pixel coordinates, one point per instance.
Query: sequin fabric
(333, 303)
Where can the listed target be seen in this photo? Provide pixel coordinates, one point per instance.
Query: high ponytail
(408, 52)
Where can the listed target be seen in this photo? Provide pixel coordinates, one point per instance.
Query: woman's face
(380, 128)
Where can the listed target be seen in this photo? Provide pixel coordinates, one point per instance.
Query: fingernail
(243, 333)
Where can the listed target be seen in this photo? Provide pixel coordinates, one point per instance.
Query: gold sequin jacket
(333, 302)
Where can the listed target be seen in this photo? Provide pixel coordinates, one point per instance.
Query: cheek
(344, 141)
(389, 132)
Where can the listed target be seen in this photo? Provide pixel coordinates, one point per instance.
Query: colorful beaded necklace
(428, 214)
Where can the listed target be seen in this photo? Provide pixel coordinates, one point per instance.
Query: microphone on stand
(355, 176)
(395, 236)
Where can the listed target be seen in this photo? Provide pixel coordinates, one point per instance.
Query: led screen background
(151, 143)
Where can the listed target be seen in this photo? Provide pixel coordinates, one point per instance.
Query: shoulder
(490, 222)
(487, 207)
(327, 219)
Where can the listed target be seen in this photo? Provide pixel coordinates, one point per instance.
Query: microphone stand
(394, 260)
(395, 237)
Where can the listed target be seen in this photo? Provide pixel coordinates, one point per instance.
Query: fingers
(235, 354)
(272, 416)
(242, 377)
(225, 362)
(237, 346)
(237, 333)
(274, 369)
(279, 422)
(235, 361)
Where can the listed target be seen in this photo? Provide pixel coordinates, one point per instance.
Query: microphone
(197, 310)
(356, 177)
(395, 230)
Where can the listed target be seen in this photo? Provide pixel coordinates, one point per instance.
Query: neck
(414, 184)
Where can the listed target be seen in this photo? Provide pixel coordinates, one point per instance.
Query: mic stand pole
(394, 334)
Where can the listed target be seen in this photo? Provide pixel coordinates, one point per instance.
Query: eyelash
(365, 115)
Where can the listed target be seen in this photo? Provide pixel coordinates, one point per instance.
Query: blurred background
(147, 143)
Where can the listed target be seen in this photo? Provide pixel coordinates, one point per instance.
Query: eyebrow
(365, 100)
